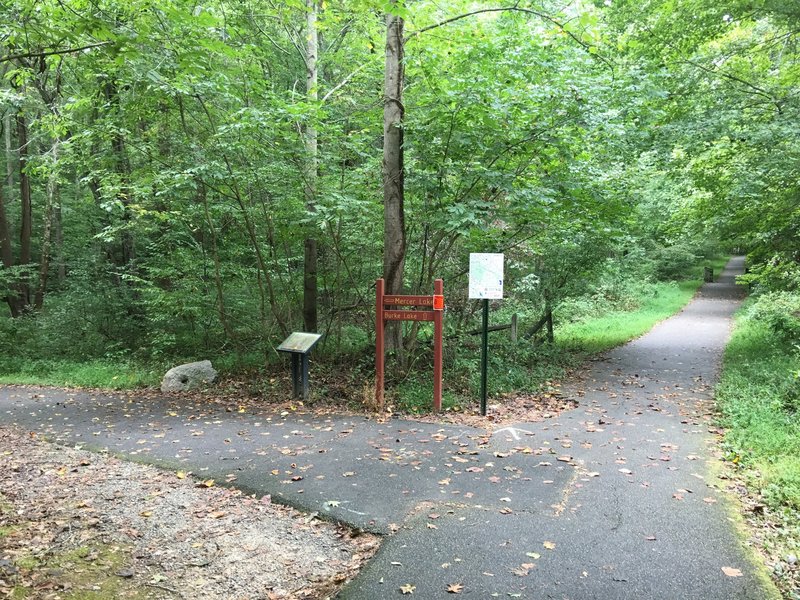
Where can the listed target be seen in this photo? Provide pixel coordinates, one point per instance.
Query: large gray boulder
(188, 376)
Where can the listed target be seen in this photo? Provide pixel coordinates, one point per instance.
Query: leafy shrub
(672, 262)
(779, 310)
(777, 273)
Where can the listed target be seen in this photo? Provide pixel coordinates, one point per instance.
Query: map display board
(486, 276)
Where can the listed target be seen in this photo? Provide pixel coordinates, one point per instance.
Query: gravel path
(77, 524)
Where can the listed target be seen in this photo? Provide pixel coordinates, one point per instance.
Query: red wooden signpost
(434, 313)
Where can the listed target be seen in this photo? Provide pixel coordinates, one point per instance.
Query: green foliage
(601, 328)
(776, 273)
(758, 399)
(176, 203)
(672, 261)
(780, 311)
(100, 373)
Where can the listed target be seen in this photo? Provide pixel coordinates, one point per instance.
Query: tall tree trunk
(50, 203)
(58, 234)
(122, 168)
(394, 234)
(26, 209)
(223, 313)
(9, 155)
(310, 294)
(6, 246)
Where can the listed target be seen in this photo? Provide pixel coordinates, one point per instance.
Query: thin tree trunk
(7, 256)
(223, 314)
(58, 234)
(9, 155)
(128, 245)
(26, 216)
(394, 235)
(26, 208)
(310, 294)
(50, 203)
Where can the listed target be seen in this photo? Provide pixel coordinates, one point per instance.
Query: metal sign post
(299, 345)
(412, 312)
(485, 283)
(484, 356)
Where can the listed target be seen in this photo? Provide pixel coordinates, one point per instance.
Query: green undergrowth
(612, 313)
(759, 400)
(97, 373)
(656, 303)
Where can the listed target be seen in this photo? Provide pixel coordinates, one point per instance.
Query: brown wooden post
(438, 316)
(514, 328)
(379, 355)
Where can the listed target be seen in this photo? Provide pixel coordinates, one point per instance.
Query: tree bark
(26, 211)
(310, 294)
(122, 167)
(49, 211)
(223, 313)
(394, 234)
(7, 257)
(9, 155)
(26, 215)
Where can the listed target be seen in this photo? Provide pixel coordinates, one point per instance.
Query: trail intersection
(614, 499)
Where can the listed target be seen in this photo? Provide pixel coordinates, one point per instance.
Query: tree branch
(46, 53)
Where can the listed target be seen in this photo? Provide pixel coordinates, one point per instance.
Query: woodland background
(186, 180)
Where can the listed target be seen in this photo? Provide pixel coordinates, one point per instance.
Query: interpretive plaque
(299, 342)
(298, 345)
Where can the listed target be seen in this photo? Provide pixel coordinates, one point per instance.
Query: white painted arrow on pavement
(514, 431)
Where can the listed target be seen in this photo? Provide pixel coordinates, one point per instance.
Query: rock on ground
(188, 376)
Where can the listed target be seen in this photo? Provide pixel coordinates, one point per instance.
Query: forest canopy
(185, 179)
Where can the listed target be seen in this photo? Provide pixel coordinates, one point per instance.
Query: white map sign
(486, 276)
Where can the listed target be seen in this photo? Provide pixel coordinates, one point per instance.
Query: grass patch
(759, 400)
(86, 573)
(658, 302)
(755, 396)
(98, 373)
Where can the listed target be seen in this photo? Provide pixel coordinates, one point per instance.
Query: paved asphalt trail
(611, 500)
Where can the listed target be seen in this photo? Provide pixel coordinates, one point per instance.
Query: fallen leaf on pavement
(455, 588)
(549, 545)
(731, 572)
(407, 588)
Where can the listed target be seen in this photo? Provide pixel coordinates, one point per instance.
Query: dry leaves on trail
(455, 588)
(83, 524)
